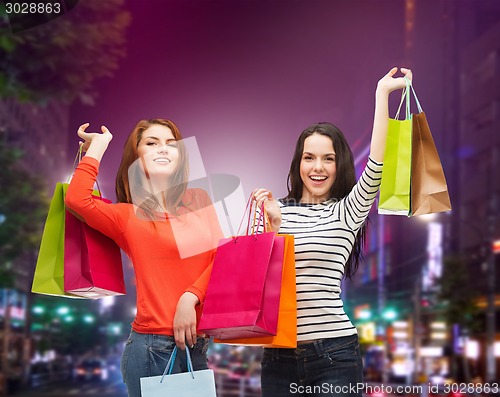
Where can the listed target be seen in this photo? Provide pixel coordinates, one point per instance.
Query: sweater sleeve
(199, 287)
(107, 218)
(354, 208)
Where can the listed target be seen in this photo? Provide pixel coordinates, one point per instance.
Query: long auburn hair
(345, 180)
(177, 181)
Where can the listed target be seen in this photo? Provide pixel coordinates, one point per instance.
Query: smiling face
(317, 168)
(158, 150)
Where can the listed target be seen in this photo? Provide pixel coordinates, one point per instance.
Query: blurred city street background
(245, 78)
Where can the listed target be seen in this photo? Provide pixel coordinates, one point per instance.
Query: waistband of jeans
(317, 347)
(170, 338)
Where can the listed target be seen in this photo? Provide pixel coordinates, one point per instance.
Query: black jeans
(328, 367)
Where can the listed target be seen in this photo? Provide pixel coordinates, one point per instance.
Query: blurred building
(479, 185)
(40, 132)
(392, 299)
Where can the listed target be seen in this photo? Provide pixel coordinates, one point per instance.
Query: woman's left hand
(185, 320)
(385, 86)
(272, 208)
(388, 83)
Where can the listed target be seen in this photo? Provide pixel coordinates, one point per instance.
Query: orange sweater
(162, 272)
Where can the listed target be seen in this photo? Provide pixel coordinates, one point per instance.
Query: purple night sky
(246, 77)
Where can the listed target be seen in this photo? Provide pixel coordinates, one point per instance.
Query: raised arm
(79, 198)
(385, 86)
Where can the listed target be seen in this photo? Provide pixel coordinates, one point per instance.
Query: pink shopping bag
(243, 295)
(92, 261)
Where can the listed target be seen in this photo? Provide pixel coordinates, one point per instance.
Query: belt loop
(299, 350)
(318, 345)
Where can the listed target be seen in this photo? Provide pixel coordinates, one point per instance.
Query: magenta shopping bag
(92, 261)
(243, 295)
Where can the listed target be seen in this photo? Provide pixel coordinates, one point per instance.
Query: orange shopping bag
(286, 336)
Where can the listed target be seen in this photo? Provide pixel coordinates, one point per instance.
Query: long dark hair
(344, 181)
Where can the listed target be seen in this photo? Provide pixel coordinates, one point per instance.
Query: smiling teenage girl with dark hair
(325, 210)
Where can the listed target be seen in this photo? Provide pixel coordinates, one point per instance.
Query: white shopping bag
(187, 384)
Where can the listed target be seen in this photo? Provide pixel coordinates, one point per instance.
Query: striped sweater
(324, 237)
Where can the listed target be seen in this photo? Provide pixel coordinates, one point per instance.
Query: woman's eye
(307, 158)
(151, 143)
(174, 145)
(330, 159)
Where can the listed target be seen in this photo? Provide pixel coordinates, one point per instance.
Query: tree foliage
(63, 57)
(23, 209)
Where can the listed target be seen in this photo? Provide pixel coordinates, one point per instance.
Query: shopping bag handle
(77, 160)
(415, 96)
(406, 95)
(249, 208)
(171, 362)
(266, 222)
(262, 218)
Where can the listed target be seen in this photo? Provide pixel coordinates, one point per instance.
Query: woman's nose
(162, 148)
(318, 165)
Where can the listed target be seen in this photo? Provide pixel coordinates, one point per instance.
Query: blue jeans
(148, 354)
(327, 367)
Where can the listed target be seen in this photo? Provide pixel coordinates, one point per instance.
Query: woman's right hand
(271, 205)
(94, 143)
(88, 137)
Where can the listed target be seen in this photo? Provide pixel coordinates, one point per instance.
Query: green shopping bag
(396, 172)
(49, 270)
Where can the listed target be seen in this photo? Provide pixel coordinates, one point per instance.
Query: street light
(38, 309)
(390, 314)
(62, 311)
(495, 246)
(88, 319)
(365, 314)
(68, 319)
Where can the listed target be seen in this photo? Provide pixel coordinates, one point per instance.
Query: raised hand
(94, 143)
(87, 137)
(385, 86)
(388, 83)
